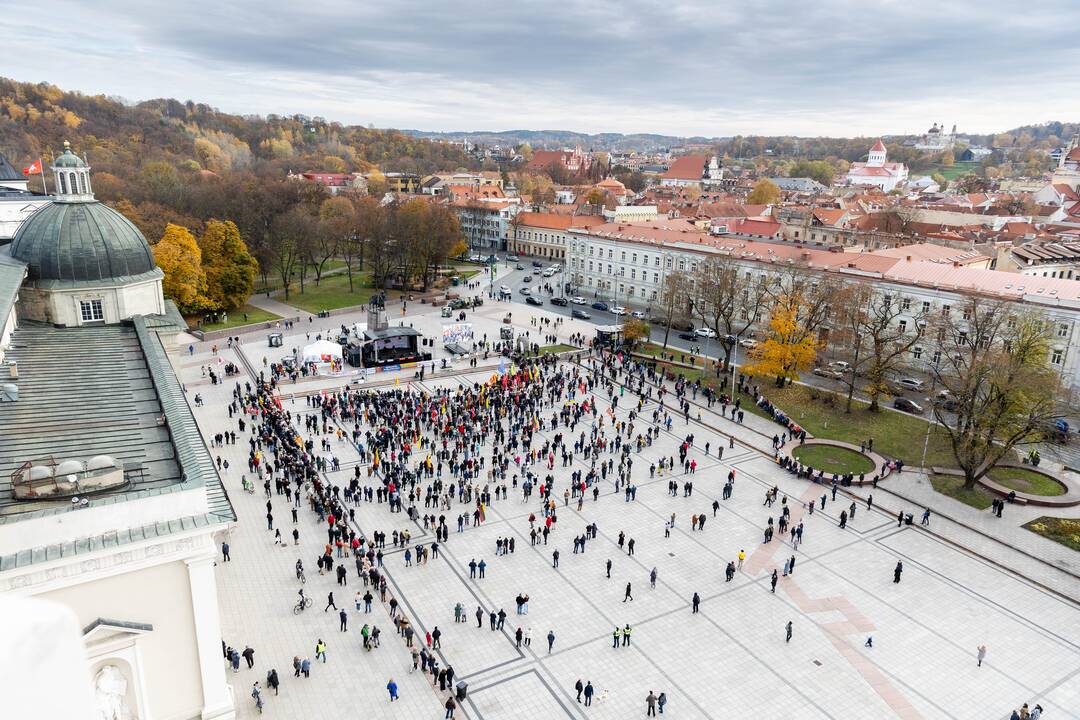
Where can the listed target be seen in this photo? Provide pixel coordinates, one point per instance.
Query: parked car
(578, 300)
(512, 258)
(639, 314)
(580, 314)
(910, 383)
(705, 332)
(908, 406)
(748, 343)
(688, 336)
(602, 306)
(525, 291)
(561, 302)
(840, 365)
(533, 300)
(828, 372)
(618, 310)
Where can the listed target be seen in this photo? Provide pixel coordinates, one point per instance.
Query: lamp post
(930, 422)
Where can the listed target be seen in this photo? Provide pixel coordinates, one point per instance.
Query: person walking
(896, 572)
(330, 602)
(773, 580)
(249, 656)
(550, 639)
(787, 629)
(626, 635)
(628, 596)
(926, 517)
(451, 706)
(588, 693)
(650, 705)
(609, 568)
(980, 655)
(742, 556)
(225, 552)
(344, 616)
(615, 635)
(320, 650)
(391, 687)
(661, 701)
(652, 578)
(580, 687)
(695, 603)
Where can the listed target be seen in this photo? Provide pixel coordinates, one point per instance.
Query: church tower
(72, 178)
(876, 158)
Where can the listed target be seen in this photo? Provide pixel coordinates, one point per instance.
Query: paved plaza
(729, 659)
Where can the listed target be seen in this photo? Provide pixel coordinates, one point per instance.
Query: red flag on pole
(33, 169)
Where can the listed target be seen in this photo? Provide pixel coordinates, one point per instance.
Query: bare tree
(286, 250)
(993, 364)
(727, 300)
(877, 336)
(674, 298)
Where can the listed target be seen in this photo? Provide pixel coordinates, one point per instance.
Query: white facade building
(877, 171)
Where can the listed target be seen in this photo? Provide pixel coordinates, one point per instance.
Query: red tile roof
(554, 221)
(689, 167)
(878, 147)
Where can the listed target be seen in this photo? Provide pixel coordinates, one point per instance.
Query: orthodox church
(876, 171)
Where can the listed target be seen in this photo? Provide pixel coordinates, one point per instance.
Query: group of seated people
(796, 432)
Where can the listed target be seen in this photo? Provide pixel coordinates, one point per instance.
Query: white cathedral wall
(168, 657)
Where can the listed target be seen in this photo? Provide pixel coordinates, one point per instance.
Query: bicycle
(301, 606)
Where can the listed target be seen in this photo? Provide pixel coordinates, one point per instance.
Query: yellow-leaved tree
(179, 257)
(789, 348)
(765, 192)
(229, 267)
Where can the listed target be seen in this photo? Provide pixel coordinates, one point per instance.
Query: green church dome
(81, 242)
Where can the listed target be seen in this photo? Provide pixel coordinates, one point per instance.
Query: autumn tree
(675, 298)
(338, 219)
(229, 266)
(789, 347)
(634, 331)
(993, 365)
(765, 192)
(179, 257)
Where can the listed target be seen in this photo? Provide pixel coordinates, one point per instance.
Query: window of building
(1057, 356)
(916, 353)
(903, 326)
(926, 306)
(667, 264)
(91, 310)
(622, 257)
(945, 310)
(905, 304)
(936, 357)
(1063, 330)
(633, 274)
(967, 313)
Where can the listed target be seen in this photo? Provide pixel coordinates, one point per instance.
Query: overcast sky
(715, 67)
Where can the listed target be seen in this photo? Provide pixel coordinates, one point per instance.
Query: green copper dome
(81, 242)
(69, 159)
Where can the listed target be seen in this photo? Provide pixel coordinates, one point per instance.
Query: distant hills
(609, 142)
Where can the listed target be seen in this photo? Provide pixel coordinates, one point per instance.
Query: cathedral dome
(81, 242)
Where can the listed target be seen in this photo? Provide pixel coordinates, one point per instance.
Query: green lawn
(977, 497)
(333, 293)
(958, 169)
(1061, 530)
(895, 434)
(245, 315)
(1024, 480)
(561, 347)
(833, 459)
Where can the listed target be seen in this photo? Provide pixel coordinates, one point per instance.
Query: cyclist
(300, 571)
(303, 599)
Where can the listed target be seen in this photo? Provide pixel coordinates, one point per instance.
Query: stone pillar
(217, 695)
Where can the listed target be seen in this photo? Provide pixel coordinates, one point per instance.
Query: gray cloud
(710, 67)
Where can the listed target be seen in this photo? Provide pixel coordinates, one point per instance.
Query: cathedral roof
(8, 171)
(81, 242)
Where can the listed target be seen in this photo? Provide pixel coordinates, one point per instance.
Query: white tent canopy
(321, 351)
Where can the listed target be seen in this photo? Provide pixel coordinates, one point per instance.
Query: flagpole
(44, 187)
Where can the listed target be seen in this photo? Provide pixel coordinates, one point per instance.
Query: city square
(732, 655)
